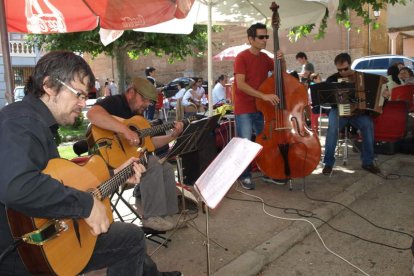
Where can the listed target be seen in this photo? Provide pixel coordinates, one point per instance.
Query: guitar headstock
(275, 17)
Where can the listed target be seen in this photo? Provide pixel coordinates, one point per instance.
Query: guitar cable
(12, 247)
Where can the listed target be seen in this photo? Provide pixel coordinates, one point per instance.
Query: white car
(18, 93)
(379, 64)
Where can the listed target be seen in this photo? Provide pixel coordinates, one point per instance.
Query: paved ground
(259, 243)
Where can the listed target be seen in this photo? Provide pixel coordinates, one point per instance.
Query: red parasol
(58, 16)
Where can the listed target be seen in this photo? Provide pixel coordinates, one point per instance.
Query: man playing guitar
(56, 93)
(157, 188)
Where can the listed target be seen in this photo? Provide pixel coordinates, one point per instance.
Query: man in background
(307, 67)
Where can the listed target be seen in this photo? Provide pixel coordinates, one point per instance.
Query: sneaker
(371, 168)
(172, 273)
(178, 220)
(247, 184)
(327, 170)
(157, 223)
(274, 180)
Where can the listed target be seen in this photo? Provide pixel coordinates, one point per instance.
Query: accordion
(362, 94)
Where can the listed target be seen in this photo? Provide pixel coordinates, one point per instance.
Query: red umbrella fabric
(58, 16)
(231, 53)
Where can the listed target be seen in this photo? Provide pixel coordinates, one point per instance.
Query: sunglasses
(80, 95)
(262, 36)
(343, 69)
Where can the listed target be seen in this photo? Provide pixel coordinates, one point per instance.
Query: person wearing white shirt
(219, 90)
(181, 91)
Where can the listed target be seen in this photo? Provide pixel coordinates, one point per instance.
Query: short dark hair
(220, 78)
(149, 70)
(58, 65)
(251, 31)
(408, 69)
(301, 55)
(342, 57)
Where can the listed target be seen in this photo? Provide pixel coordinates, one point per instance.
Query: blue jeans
(246, 125)
(363, 123)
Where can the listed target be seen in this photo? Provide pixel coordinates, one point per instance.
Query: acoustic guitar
(65, 246)
(115, 148)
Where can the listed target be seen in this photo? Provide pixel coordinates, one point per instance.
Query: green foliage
(131, 42)
(360, 7)
(79, 121)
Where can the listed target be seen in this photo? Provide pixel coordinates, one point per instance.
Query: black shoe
(327, 170)
(372, 169)
(171, 273)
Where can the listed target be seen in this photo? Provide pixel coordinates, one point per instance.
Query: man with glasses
(363, 122)
(157, 190)
(251, 69)
(55, 95)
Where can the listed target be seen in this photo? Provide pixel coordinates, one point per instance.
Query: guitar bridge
(48, 231)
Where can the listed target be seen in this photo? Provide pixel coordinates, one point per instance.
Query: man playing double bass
(251, 69)
(361, 121)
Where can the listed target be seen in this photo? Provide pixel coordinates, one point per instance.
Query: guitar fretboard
(154, 130)
(109, 186)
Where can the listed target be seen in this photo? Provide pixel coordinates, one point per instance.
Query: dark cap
(145, 88)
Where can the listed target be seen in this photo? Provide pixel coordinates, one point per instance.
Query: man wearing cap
(157, 187)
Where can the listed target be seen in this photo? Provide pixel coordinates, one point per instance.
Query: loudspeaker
(194, 163)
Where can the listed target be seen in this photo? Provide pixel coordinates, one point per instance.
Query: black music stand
(335, 93)
(190, 141)
(328, 93)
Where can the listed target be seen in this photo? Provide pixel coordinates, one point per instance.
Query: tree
(132, 43)
(360, 7)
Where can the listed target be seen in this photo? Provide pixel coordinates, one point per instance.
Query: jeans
(149, 113)
(363, 123)
(246, 125)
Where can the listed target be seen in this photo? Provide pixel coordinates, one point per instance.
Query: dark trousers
(122, 250)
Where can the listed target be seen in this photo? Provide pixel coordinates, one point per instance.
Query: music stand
(342, 94)
(221, 174)
(329, 93)
(189, 141)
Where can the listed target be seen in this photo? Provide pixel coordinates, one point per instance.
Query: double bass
(290, 148)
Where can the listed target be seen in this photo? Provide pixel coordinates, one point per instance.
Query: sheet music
(220, 175)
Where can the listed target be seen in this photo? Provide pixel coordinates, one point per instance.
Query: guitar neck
(111, 185)
(154, 130)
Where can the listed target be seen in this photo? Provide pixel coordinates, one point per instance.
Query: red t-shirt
(256, 69)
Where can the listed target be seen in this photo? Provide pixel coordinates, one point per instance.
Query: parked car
(171, 88)
(379, 64)
(18, 93)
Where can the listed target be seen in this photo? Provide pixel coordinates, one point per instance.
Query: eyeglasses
(262, 36)
(80, 95)
(343, 69)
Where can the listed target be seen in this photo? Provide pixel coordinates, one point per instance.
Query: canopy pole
(210, 59)
(6, 53)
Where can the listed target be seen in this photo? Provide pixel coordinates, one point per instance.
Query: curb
(253, 261)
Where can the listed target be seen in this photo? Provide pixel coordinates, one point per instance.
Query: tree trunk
(120, 67)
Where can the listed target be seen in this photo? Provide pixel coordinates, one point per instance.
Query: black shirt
(117, 105)
(27, 144)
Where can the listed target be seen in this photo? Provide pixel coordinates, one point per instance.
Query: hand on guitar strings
(132, 137)
(98, 220)
(138, 168)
